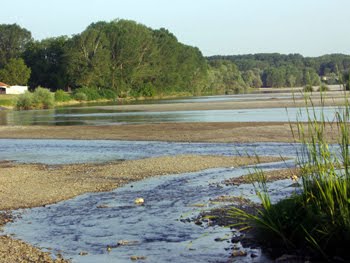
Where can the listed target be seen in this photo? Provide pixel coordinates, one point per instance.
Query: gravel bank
(31, 185)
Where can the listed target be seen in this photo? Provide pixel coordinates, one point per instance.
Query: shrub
(308, 88)
(323, 88)
(43, 98)
(108, 94)
(61, 96)
(91, 93)
(80, 96)
(25, 101)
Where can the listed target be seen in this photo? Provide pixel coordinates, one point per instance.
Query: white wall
(16, 89)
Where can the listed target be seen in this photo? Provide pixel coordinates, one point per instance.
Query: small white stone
(139, 201)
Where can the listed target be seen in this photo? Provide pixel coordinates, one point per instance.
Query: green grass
(316, 222)
(8, 100)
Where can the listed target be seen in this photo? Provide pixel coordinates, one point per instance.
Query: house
(7, 89)
(3, 87)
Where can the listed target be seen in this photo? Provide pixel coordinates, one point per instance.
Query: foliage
(308, 88)
(15, 72)
(323, 87)
(41, 98)
(25, 101)
(91, 93)
(80, 96)
(315, 221)
(278, 70)
(225, 78)
(61, 96)
(346, 80)
(47, 60)
(13, 41)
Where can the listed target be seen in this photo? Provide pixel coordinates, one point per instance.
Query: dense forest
(125, 58)
(278, 70)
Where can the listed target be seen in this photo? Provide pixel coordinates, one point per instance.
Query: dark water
(98, 116)
(77, 225)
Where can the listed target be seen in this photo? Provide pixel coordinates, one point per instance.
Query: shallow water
(81, 151)
(77, 225)
(98, 116)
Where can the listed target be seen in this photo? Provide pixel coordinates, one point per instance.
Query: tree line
(279, 70)
(125, 58)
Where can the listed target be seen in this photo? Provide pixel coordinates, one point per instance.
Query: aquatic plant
(315, 221)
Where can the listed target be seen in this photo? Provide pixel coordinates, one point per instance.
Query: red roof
(2, 84)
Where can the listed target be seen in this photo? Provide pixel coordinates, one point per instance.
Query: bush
(80, 96)
(25, 101)
(108, 94)
(308, 88)
(90, 93)
(43, 98)
(61, 96)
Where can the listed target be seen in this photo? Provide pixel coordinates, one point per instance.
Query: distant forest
(131, 59)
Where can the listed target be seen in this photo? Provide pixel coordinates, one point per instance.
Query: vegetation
(315, 221)
(61, 96)
(41, 98)
(293, 70)
(123, 58)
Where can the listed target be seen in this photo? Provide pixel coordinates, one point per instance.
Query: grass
(316, 222)
(8, 100)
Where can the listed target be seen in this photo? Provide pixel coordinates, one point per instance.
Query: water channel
(77, 225)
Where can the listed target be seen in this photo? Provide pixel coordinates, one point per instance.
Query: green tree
(88, 58)
(13, 41)
(15, 72)
(47, 60)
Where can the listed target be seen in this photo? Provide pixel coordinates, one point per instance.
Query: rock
(239, 253)
(139, 201)
(127, 243)
(287, 258)
(137, 257)
(83, 253)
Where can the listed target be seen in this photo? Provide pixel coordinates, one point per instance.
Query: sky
(216, 27)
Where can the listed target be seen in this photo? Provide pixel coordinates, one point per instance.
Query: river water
(158, 228)
(98, 116)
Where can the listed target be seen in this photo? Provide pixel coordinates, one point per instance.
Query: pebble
(137, 257)
(139, 201)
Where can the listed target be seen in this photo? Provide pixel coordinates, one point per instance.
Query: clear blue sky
(309, 27)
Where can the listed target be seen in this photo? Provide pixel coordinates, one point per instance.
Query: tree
(15, 72)
(13, 41)
(47, 60)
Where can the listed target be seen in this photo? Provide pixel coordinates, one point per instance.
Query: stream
(91, 222)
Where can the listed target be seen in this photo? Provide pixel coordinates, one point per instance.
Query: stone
(139, 201)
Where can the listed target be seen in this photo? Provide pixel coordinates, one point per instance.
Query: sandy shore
(32, 185)
(178, 132)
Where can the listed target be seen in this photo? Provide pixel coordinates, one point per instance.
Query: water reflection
(94, 116)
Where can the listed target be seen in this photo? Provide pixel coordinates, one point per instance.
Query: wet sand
(177, 132)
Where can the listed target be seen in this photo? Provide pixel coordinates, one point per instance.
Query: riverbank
(176, 132)
(32, 185)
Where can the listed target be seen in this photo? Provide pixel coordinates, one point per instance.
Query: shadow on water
(91, 222)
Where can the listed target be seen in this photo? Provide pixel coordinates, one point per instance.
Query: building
(7, 89)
